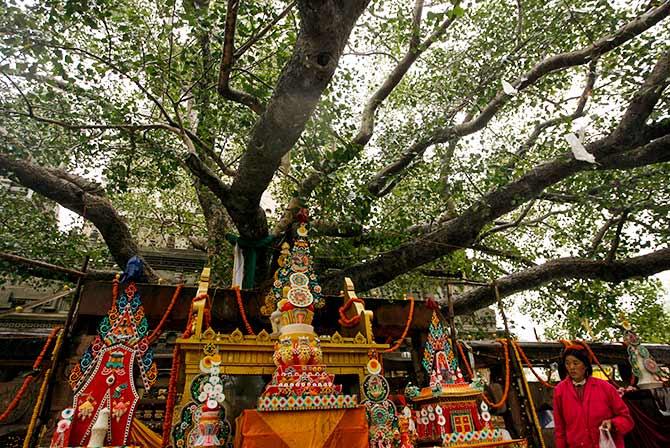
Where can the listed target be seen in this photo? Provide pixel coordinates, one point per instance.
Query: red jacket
(577, 422)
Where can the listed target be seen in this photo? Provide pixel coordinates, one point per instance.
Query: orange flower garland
(530, 366)
(240, 304)
(157, 331)
(31, 376)
(344, 320)
(503, 399)
(410, 317)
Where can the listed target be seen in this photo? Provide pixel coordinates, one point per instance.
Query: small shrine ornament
(203, 420)
(384, 431)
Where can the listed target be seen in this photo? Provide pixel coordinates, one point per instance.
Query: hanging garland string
(503, 399)
(171, 396)
(408, 323)
(174, 370)
(115, 290)
(43, 390)
(344, 320)
(595, 358)
(518, 348)
(243, 313)
(159, 328)
(465, 360)
(31, 376)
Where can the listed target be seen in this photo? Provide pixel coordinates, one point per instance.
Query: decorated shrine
(304, 389)
(105, 394)
(446, 412)
(303, 392)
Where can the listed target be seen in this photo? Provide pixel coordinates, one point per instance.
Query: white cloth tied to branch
(238, 266)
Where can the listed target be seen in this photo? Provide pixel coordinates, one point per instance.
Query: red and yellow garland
(344, 320)
(530, 366)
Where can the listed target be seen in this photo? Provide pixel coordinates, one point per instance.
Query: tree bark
(563, 268)
(325, 26)
(92, 206)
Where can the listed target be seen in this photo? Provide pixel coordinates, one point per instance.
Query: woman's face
(576, 369)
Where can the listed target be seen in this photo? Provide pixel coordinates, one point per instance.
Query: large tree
(427, 139)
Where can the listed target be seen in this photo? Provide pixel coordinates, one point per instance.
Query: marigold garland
(530, 365)
(344, 320)
(240, 304)
(503, 399)
(410, 318)
(38, 402)
(171, 396)
(157, 331)
(31, 376)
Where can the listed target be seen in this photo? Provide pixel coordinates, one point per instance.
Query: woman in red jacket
(583, 405)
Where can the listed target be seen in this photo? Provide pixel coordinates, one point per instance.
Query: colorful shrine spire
(438, 354)
(301, 381)
(296, 284)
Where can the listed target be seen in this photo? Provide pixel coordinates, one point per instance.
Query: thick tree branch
(94, 207)
(564, 268)
(324, 30)
(207, 177)
(612, 152)
(366, 128)
(227, 60)
(549, 65)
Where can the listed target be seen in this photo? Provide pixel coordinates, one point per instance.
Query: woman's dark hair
(578, 352)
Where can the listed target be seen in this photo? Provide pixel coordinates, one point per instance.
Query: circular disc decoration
(380, 415)
(650, 365)
(300, 297)
(67, 413)
(441, 420)
(484, 407)
(375, 388)
(642, 350)
(374, 367)
(486, 416)
(299, 262)
(299, 280)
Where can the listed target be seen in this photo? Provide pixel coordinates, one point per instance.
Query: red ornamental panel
(110, 386)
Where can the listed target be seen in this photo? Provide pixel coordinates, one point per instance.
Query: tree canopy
(524, 144)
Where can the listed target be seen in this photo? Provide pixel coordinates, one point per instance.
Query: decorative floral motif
(119, 408)
(86, 408)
